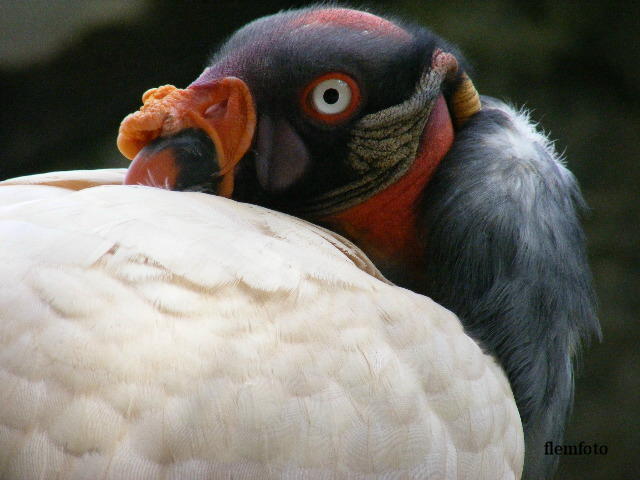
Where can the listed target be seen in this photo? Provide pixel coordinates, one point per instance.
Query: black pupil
(330, 96)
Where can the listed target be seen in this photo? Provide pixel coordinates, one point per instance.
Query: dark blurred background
(71, 70)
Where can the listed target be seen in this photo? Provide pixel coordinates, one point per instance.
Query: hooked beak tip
(176, 162)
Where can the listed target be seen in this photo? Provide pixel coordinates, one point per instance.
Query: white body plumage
(150, 334)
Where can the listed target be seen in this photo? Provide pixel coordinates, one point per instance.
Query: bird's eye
(331, 98)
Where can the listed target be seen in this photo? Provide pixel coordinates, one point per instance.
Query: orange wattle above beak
(174, 122)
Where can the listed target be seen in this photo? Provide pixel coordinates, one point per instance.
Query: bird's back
(154, 334)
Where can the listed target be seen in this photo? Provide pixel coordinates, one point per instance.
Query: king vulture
(171, 332)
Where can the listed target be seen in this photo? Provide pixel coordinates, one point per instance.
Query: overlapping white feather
(148, 334)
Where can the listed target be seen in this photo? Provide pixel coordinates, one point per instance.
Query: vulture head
(321, 113)
(372, 127)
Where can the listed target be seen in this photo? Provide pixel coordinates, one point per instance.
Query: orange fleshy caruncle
(223, 110)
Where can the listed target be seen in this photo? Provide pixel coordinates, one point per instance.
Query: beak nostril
(216, 111)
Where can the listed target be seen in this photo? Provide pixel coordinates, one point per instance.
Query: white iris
(331, 96)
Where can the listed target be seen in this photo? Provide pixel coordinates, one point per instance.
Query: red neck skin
(385, 225)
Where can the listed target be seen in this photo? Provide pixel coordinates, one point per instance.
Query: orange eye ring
(331, 98)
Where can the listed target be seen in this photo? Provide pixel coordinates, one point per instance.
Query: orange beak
(221, 118)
